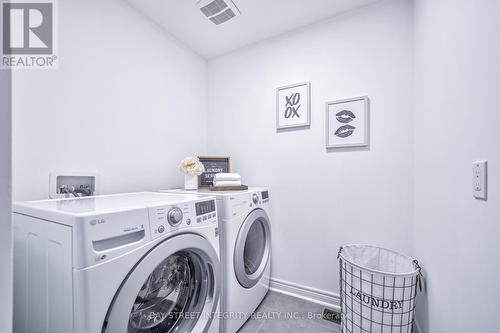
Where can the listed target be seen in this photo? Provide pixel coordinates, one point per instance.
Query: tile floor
(303, 317)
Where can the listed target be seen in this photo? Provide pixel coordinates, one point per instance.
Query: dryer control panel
(166, 219)
(239, 203)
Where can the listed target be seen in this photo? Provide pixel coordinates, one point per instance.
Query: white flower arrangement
(192, 166)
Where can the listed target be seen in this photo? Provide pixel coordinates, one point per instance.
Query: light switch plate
(480, 179)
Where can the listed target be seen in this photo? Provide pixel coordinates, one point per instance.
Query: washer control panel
(205, 211)
(265, 196)
(166, 219)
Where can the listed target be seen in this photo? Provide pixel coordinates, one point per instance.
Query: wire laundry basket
(378, 288)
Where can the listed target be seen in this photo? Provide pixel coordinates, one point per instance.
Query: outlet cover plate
(480, 180)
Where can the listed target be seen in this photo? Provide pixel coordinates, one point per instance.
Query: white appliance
(245, 252)
(140, 262)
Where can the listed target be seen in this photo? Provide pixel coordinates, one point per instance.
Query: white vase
(190, 181)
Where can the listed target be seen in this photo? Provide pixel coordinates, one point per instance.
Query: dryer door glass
(253, 247)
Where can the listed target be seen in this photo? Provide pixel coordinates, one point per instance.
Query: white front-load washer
(129, 263)
(245, 252)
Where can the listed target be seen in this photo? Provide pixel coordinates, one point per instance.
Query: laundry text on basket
(378, 302)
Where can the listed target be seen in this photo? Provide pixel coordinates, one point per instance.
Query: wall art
(348, 123)
(293, 106)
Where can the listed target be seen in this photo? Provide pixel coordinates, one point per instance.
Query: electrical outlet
(480, 179)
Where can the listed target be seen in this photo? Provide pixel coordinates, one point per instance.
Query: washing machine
(128, 263)
(244, 220)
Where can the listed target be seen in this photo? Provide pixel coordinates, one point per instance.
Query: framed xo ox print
(348, 123)
(293, 106)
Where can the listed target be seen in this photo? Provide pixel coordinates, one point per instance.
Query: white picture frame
(348, 123)
(293, 106)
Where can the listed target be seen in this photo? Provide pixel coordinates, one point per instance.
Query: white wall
(127, 102)
(5, 203)
(323, 199)
(457, 117)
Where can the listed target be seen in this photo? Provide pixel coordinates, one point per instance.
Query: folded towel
(227, 177)
(226, 183)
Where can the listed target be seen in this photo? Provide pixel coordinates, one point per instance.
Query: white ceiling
(260, 19)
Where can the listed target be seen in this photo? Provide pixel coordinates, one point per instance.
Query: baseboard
(416, 326)
(325, 298)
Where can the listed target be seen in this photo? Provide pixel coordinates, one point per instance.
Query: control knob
(255, 198)
(174, 216)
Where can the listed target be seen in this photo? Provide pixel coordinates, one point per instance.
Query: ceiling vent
(219, 11)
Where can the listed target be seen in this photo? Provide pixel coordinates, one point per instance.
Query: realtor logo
(28, 34)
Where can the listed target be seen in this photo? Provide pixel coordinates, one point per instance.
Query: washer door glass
(169, 291)
(252, 248)
(174, 288)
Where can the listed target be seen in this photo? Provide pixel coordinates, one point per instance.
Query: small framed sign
(213, 165)
(348, 123)
(293, 106)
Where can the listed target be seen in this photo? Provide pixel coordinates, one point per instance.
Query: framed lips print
(348, 123)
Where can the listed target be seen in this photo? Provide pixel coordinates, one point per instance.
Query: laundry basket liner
(379, 260)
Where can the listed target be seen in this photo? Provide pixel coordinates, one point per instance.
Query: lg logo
(27, 28)
(97, 221)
